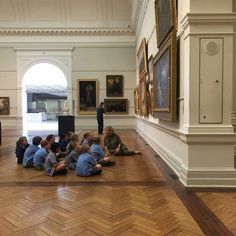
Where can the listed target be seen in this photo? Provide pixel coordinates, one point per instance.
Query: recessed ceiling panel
(7, 10)
(43, 10)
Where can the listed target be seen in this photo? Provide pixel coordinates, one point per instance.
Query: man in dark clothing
(100, 110)
(114, 145)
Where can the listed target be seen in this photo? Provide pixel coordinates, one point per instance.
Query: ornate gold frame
(89, 110)
(164, 105)
(166, 22)
(142, 59)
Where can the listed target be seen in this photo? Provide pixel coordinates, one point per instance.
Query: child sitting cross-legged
(51, 166)
(21, 145)
(87, 164)
(41, 154)
(72, 155)
(30, 151)
(99, 154)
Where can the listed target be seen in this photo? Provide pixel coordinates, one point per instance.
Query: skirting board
(210, 178)
(172, 162)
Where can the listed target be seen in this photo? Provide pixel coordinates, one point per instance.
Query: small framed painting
(114, 85)
(4, 105)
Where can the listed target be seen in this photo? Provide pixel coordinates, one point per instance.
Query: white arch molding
(28, 58)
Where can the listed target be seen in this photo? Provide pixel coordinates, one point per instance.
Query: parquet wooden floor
(135, 197)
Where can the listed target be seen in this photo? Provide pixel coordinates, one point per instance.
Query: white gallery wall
(8, 85)
(199, 146)
(96, 63)
(85, 39)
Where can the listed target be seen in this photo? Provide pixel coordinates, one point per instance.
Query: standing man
(100, 110)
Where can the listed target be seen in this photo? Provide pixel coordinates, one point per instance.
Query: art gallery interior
(50, 48)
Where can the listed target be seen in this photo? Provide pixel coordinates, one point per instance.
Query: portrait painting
(165, 13)
(114, 85)
(116, 106)
(142, 59)
(143, 97)
(87, 96)
(137, 100)
(4, 105)
(164, 81)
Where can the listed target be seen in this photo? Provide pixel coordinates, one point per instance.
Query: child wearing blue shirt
(87, 164)
(40, 155)
(30, 151)
(99, 154)
(51, 166)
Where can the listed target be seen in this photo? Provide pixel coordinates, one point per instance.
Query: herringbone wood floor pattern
(131, 198)
(223, 205)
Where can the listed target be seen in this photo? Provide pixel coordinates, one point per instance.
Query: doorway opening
(44, 89)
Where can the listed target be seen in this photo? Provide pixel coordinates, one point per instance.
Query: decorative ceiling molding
(64, 32)
(68, 17)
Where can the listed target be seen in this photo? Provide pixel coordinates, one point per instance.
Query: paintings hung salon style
(4, 105)
(87, 96)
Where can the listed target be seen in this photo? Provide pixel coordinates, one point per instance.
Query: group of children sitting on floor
(56, 158)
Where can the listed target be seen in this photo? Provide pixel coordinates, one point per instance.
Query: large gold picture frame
(164, 82)
(142, 59)
(137, 100)
(88, 96)
(166, 20)
(143, 97)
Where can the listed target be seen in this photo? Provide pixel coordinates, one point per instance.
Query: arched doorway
(44, 90)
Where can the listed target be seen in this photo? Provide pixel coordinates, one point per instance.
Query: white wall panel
(211, 80)
(108, 59)
(8, 80)
(41, 13)
(7, 59)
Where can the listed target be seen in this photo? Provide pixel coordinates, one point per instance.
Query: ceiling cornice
(64, 31)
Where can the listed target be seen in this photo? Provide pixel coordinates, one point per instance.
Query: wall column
(208, 80)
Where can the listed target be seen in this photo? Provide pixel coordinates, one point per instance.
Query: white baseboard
(172, 161)
(198, 177)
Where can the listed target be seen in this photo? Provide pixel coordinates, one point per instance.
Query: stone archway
(27, 59)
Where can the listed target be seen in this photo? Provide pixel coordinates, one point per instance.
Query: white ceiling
(69, 16)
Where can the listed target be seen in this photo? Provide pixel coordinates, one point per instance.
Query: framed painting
(116, 106)
(4, 105)
(137, 100)
(88, 96)
(114, 85)
(164, 82)
(165, 13)
(150, 85)
(143, 97)
(142, 59)
(150, 69)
